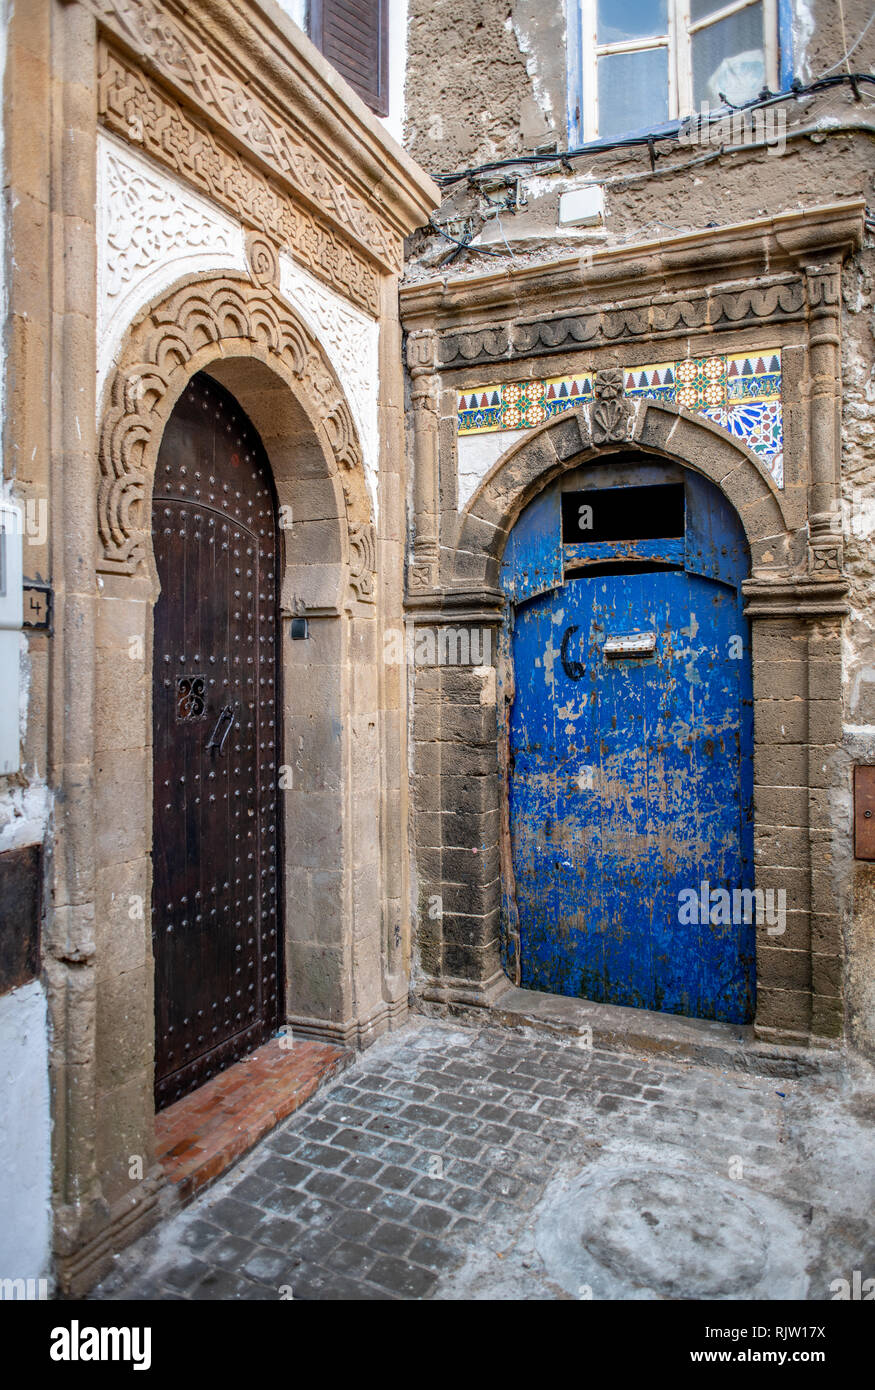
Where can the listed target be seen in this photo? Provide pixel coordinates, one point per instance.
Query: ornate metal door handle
(225, 718)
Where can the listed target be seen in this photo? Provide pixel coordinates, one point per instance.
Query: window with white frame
(640, 64)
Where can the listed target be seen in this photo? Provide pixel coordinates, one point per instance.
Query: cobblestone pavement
(453, 1162)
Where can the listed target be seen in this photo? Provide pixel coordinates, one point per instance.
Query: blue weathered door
(630, 766)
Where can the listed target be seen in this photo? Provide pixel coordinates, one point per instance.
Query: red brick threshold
(199, 1137)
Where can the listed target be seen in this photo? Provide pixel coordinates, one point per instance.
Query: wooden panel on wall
(19, 916)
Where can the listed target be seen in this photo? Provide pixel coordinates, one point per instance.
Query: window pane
(700, 8)
(630, 19)
(728, 57)
(633, 91)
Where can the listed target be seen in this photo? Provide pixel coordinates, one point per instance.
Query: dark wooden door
(215, 724)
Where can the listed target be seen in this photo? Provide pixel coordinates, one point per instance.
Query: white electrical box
(582, 207)
(10, 628)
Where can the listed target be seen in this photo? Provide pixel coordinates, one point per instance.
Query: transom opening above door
(632, 512)
(623, 514)
(618, 529)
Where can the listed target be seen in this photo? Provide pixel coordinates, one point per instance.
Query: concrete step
(692, 1039)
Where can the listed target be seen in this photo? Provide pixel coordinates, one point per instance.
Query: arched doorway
(630, 778)
(215, 715)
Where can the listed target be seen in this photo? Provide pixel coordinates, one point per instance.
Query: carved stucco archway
(203, 321)
(795, 622)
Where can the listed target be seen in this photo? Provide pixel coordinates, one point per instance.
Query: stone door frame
(251, 341)
(230, 113)
(797, 720)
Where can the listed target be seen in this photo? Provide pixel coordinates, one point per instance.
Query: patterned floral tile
(741, 392)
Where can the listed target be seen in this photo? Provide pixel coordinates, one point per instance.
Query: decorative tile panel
(740, 392)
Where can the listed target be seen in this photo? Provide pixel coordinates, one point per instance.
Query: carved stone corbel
(611, 413)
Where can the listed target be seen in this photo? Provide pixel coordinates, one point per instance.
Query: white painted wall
(394, 122)
(25, 1135)
(478, 453)
(4, 24)
(296, 10)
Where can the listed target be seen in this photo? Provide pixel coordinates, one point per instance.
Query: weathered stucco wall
(858, 487)
(488, 82)
(485, 80)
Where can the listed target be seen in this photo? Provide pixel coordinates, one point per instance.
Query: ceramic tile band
(741, 392)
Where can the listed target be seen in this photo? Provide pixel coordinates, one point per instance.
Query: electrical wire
(462, 245)
(747, 147)
(765, 98)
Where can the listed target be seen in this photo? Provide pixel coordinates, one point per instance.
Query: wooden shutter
(353, 35)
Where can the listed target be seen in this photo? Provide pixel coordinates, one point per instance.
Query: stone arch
(205, 325)
(569, 440)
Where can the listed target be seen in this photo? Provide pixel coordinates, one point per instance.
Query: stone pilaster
(424, 396)
(823, 285)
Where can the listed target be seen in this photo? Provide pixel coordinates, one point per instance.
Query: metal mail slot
(631, 644)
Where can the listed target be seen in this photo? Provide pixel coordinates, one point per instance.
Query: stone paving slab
(454, 1162)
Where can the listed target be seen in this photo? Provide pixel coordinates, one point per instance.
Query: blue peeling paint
(668, 551)
(533, 555)
(631, 777)
(785, 44)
